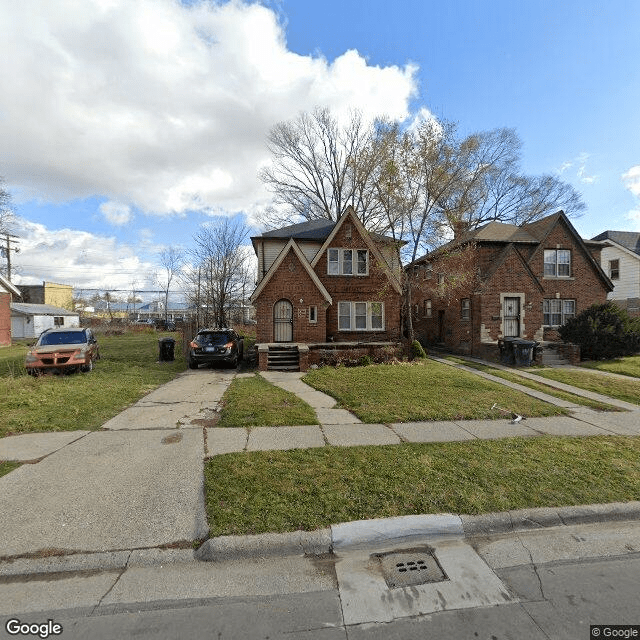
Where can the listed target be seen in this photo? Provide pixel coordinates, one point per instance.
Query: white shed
(30, 320)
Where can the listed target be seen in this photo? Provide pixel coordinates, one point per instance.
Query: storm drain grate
(410, 567)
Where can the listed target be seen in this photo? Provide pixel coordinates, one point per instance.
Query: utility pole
(7, 249)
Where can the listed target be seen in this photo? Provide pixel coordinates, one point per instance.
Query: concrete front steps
(283, 358)
(551, 357)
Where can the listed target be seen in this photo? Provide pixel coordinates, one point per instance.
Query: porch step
(283, 359)
(551, 357)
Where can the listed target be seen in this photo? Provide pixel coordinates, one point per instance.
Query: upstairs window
(465, 308)
(614, 269)
(347, 262)
(427, 308)
(557, 263)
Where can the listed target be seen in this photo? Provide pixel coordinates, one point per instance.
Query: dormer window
(347, 262)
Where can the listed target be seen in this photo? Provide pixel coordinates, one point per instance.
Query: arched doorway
(283, 321)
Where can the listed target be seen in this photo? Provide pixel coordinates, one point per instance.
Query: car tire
(192, 364)
(87, 368)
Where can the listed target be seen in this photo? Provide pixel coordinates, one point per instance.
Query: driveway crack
(115, 582)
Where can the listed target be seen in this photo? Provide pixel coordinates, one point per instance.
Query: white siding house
(620, 260)
(30, 320)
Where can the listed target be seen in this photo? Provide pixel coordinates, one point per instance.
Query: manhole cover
(410, 567)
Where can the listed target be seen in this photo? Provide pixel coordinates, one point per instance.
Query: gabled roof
(308, 230)
(349, 213)
(278, 261)
(628, 239)
(4, 282)
(33, 309)
(499, 261)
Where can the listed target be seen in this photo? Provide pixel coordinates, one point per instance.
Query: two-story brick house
(325, 282)
(528, 280)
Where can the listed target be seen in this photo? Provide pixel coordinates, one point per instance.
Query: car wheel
(87, 368)
(192, 364)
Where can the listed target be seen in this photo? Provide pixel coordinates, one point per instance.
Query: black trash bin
(166, 348)
(524, 352)
(507, 353)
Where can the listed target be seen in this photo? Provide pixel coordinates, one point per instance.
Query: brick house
(7, 292)
(620, 260)
(521, 281)
(324, 283)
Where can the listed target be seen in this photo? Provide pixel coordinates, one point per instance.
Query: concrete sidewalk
(137, 483)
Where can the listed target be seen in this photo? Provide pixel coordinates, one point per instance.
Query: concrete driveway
(136, 483)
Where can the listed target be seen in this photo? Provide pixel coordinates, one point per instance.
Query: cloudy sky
(126, 125)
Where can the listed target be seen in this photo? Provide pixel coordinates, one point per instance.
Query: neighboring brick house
(7, 291)
(325, 282)
(620, 260)
(526, 282)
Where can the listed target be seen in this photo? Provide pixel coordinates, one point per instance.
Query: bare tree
(320, 167)
(6, 211)
(219, 272)
(171, 260)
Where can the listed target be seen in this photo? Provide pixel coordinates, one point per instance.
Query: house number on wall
(302, 312)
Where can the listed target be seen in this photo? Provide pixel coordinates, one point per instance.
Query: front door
(511, 317)
(283, 321)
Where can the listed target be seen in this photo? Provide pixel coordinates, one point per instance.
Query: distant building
(53, 293)
(29, 320)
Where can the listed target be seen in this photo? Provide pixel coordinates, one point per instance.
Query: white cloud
(160, 106)
(580, 162)
(116, 213)
(631, 180)
(79, 258)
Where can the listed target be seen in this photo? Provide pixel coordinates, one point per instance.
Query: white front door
(283, 321)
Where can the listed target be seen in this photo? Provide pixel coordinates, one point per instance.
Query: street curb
(315, 542)
(527, 519)
(381, 532)
(386, 530)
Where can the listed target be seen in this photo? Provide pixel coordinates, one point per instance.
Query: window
(58, 321)
(614, 269)
(440, 279)
(427, 308)
(360, 316)
(313, 314)
(333, 261)
(465, 308)
(557, 312)
(347, 262)
(557, 263)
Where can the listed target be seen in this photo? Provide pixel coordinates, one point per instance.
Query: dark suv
(215, 346)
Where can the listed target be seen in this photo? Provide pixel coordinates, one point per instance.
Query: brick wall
(291, 282)
(372, 288)
(5, 318)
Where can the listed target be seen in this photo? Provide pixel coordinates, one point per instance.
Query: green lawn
(537, 386)
(127, 370)
(6, 467)
(425, 391)
(629, 366)
(271, 491)
(250, 402)
(627, 390)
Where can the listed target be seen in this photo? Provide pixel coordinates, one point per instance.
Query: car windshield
(213, 338)
(63, 337)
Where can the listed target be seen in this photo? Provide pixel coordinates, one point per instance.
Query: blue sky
(128, 125)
